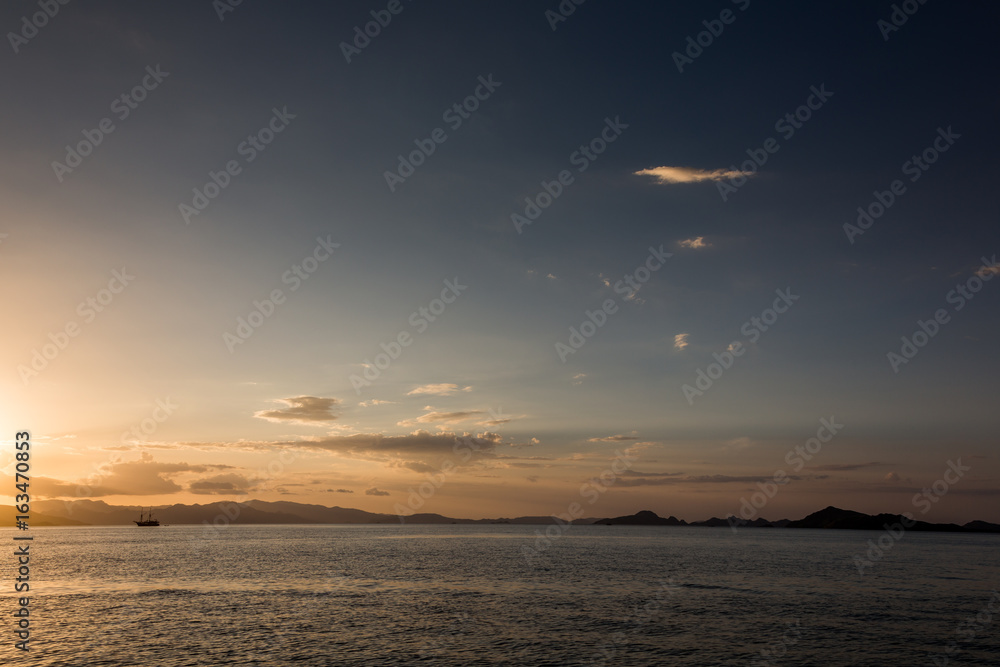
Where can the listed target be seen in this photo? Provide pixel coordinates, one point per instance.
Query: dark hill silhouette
(36, 519)
(834, 517)
(643, 518)
(96, 512)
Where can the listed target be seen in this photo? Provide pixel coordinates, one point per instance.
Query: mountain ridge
(96, 512)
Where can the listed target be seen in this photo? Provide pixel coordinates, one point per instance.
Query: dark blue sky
(323, 176)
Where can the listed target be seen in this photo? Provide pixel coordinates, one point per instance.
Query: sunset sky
(158, 389)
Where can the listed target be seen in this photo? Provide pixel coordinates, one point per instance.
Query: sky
(497, 258)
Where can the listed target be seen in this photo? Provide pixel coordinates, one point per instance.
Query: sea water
(501, 595)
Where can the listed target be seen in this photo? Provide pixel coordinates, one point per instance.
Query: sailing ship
(148, 521)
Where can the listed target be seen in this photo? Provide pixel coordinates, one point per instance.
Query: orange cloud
(671, 175)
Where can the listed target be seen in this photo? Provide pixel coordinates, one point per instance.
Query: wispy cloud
(696, 242)
(636, 473)
(392, 450)
(302, 409)
(444, 417)
(375, 491)
(668, 479)
(373, 402)
(444, 389)
(680, 341)
(846, 467)
(669, 175)
(225, 484)
(739, 443)
(142, 477)
(615, 438)
(985, 270)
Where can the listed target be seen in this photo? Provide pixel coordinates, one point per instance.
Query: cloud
(615, 438)
(662, 479)
(416, 466)
(891, 477)
(530, 443)
(695, 243)
(445, 389)
(443, 417)
(495, 422)
(739, 443)
(302, 409)
(845, 467)
(47, 487)
(669, 175)
(374, 401)
(578, 378)
(681, 341)
(224, 484)
(339, 491)
(636, 473)
(991, 269)
(142, 477)
(374, 491)
(419, 447)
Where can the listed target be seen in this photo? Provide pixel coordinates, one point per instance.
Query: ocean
(502, 595)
